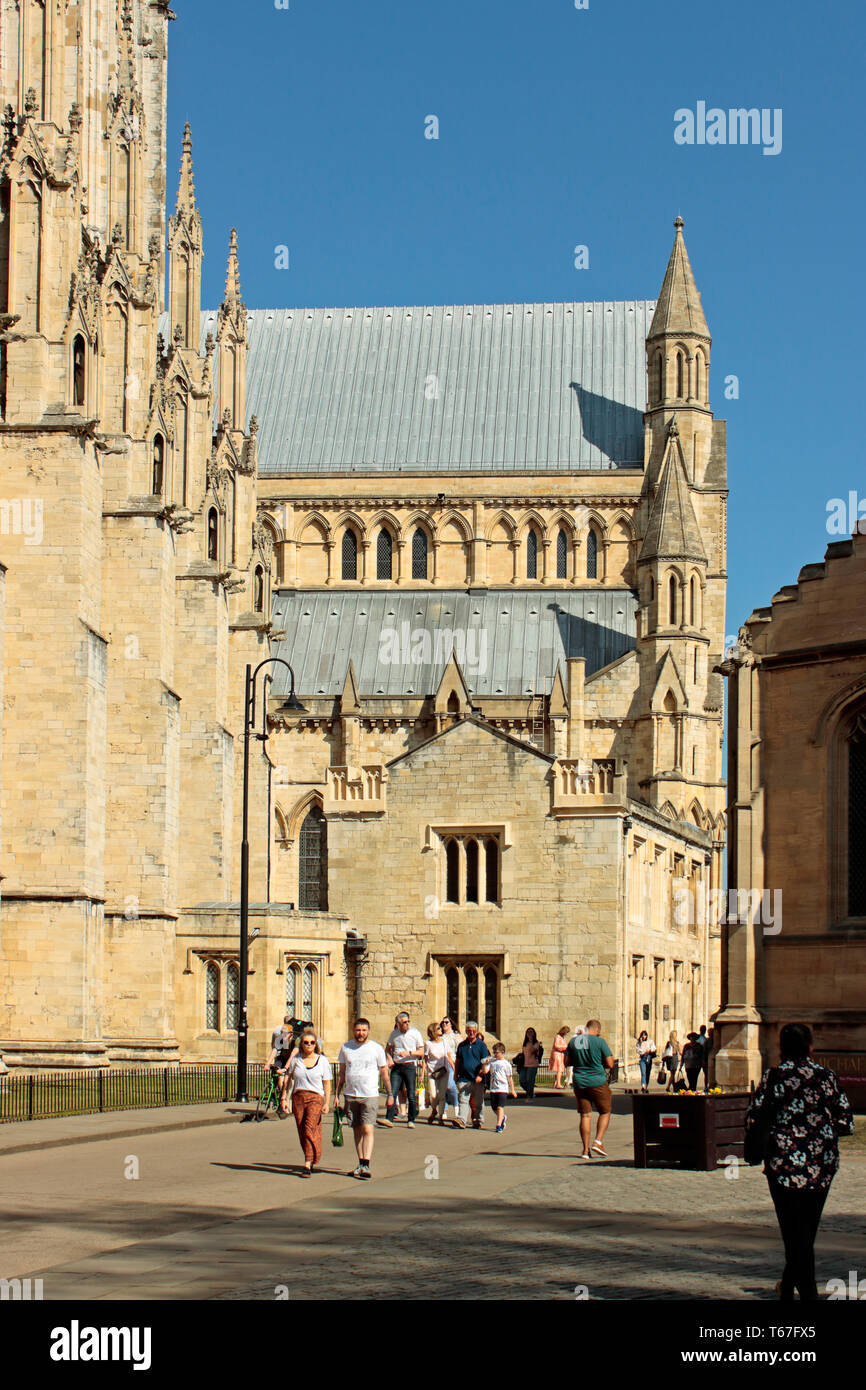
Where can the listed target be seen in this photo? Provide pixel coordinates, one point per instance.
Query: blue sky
(557, 129)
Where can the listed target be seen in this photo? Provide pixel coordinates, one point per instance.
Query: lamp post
(249, 725)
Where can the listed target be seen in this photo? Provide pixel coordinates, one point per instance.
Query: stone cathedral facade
(489, 542)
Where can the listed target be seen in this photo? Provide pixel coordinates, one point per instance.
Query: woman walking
(452, 1040)
(646, 1051)
(310, 1074)
(795, 1118)
(692, 1059)
(671, 1060)
(439, 1070)
(557, 1057)
(532, 1053)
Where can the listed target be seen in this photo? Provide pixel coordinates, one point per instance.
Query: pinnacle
(233, 275)
(186, 188)
(679, 307)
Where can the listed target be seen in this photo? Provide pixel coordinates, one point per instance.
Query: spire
(233, 298)
(672, 531)
(679, 310)
(186, 187)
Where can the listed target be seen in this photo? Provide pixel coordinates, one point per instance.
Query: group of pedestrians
(679, 1066)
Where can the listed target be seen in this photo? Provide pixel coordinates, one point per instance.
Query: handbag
(757, 1140)
(661, 1077)
(337, 1130)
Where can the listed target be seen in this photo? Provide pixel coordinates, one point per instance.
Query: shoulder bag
(757, 1141)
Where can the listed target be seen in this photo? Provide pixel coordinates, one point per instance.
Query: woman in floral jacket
(807, 1113)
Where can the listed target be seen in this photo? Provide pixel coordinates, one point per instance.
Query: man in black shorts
(282, 1046)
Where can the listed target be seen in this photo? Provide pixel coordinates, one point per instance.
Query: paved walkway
(218, 1212)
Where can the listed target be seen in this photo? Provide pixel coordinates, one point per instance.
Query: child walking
(501, 1082)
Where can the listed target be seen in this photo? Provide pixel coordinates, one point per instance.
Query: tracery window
(471, 869)
(532, 554)
(592, 554)
(384, 555)
(313, 862)
(472, 989)
(212, 996)
(233, 994)
(350, 555)
(561, 555)
(419, 554)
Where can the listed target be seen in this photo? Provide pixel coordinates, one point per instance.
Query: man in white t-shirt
(361, 1063)
(405, 1047)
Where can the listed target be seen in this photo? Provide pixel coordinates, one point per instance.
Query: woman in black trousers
(807, 1112)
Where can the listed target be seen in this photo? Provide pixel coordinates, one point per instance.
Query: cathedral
(482, 549)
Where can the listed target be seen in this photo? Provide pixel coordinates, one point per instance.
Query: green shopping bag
(337, 1131)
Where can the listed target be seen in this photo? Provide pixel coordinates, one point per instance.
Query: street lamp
(249, 724)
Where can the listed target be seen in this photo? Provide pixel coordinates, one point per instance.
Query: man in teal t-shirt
(590, 1058)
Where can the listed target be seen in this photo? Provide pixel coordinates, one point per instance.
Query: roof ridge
(477, 304)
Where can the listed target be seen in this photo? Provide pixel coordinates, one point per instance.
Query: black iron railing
(49, 1095)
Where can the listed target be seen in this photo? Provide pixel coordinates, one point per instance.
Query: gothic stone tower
(129, 605)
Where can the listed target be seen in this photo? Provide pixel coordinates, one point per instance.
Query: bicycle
(270, 1097)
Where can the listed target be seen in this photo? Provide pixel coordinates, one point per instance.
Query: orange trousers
(307, 1110)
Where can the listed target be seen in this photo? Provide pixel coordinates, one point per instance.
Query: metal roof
(448, 388)
(508, 641)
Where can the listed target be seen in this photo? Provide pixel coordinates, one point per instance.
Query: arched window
(697, 649)
(453, 703)
(419, 554)
(293, 991)
(233, 995)
(472, 871)
(491, 867)
(79, 372)
(452, 994)
(491, 992)
(309, 972)
(699, 377)
(384, 555)
(313, 862)
(213, 534)
(561, 555)
(350, 554)
(471, 973)
(652, 590)
(158, 465)
(660, 376)
(857, 818)
(259, 590)
(532, 554)
(672, 600)
(212, 997)
(693, 601)
(452, 872)
(681, 362)
(592, 554)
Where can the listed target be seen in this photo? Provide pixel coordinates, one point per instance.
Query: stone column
(576, 676)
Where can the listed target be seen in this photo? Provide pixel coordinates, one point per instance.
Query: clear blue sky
(557, 129)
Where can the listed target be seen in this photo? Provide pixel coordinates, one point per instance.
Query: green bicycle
(269, 1098)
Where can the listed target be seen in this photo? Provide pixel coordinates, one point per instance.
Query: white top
(403, 1043)
(452, 1041)
(362, 1062)
(646, 1046)
(501, 1072)
(311, 1078)
(436, 1053)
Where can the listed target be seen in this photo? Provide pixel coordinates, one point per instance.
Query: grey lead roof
(448, 388)
(508, 641)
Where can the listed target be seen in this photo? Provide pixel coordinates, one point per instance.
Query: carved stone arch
(669, 811)
(696, 814)
(353, 520)
(836, 708)
(452, 517)
(561, 521)
(384, 518)
(309, 518)
(593, 520)
(534, 519)
(412, 522)
(281, 834)
(503, 519)
(298, 814)
(622, 518)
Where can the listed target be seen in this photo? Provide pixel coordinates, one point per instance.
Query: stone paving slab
(511, 1217)
(30, 1136)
